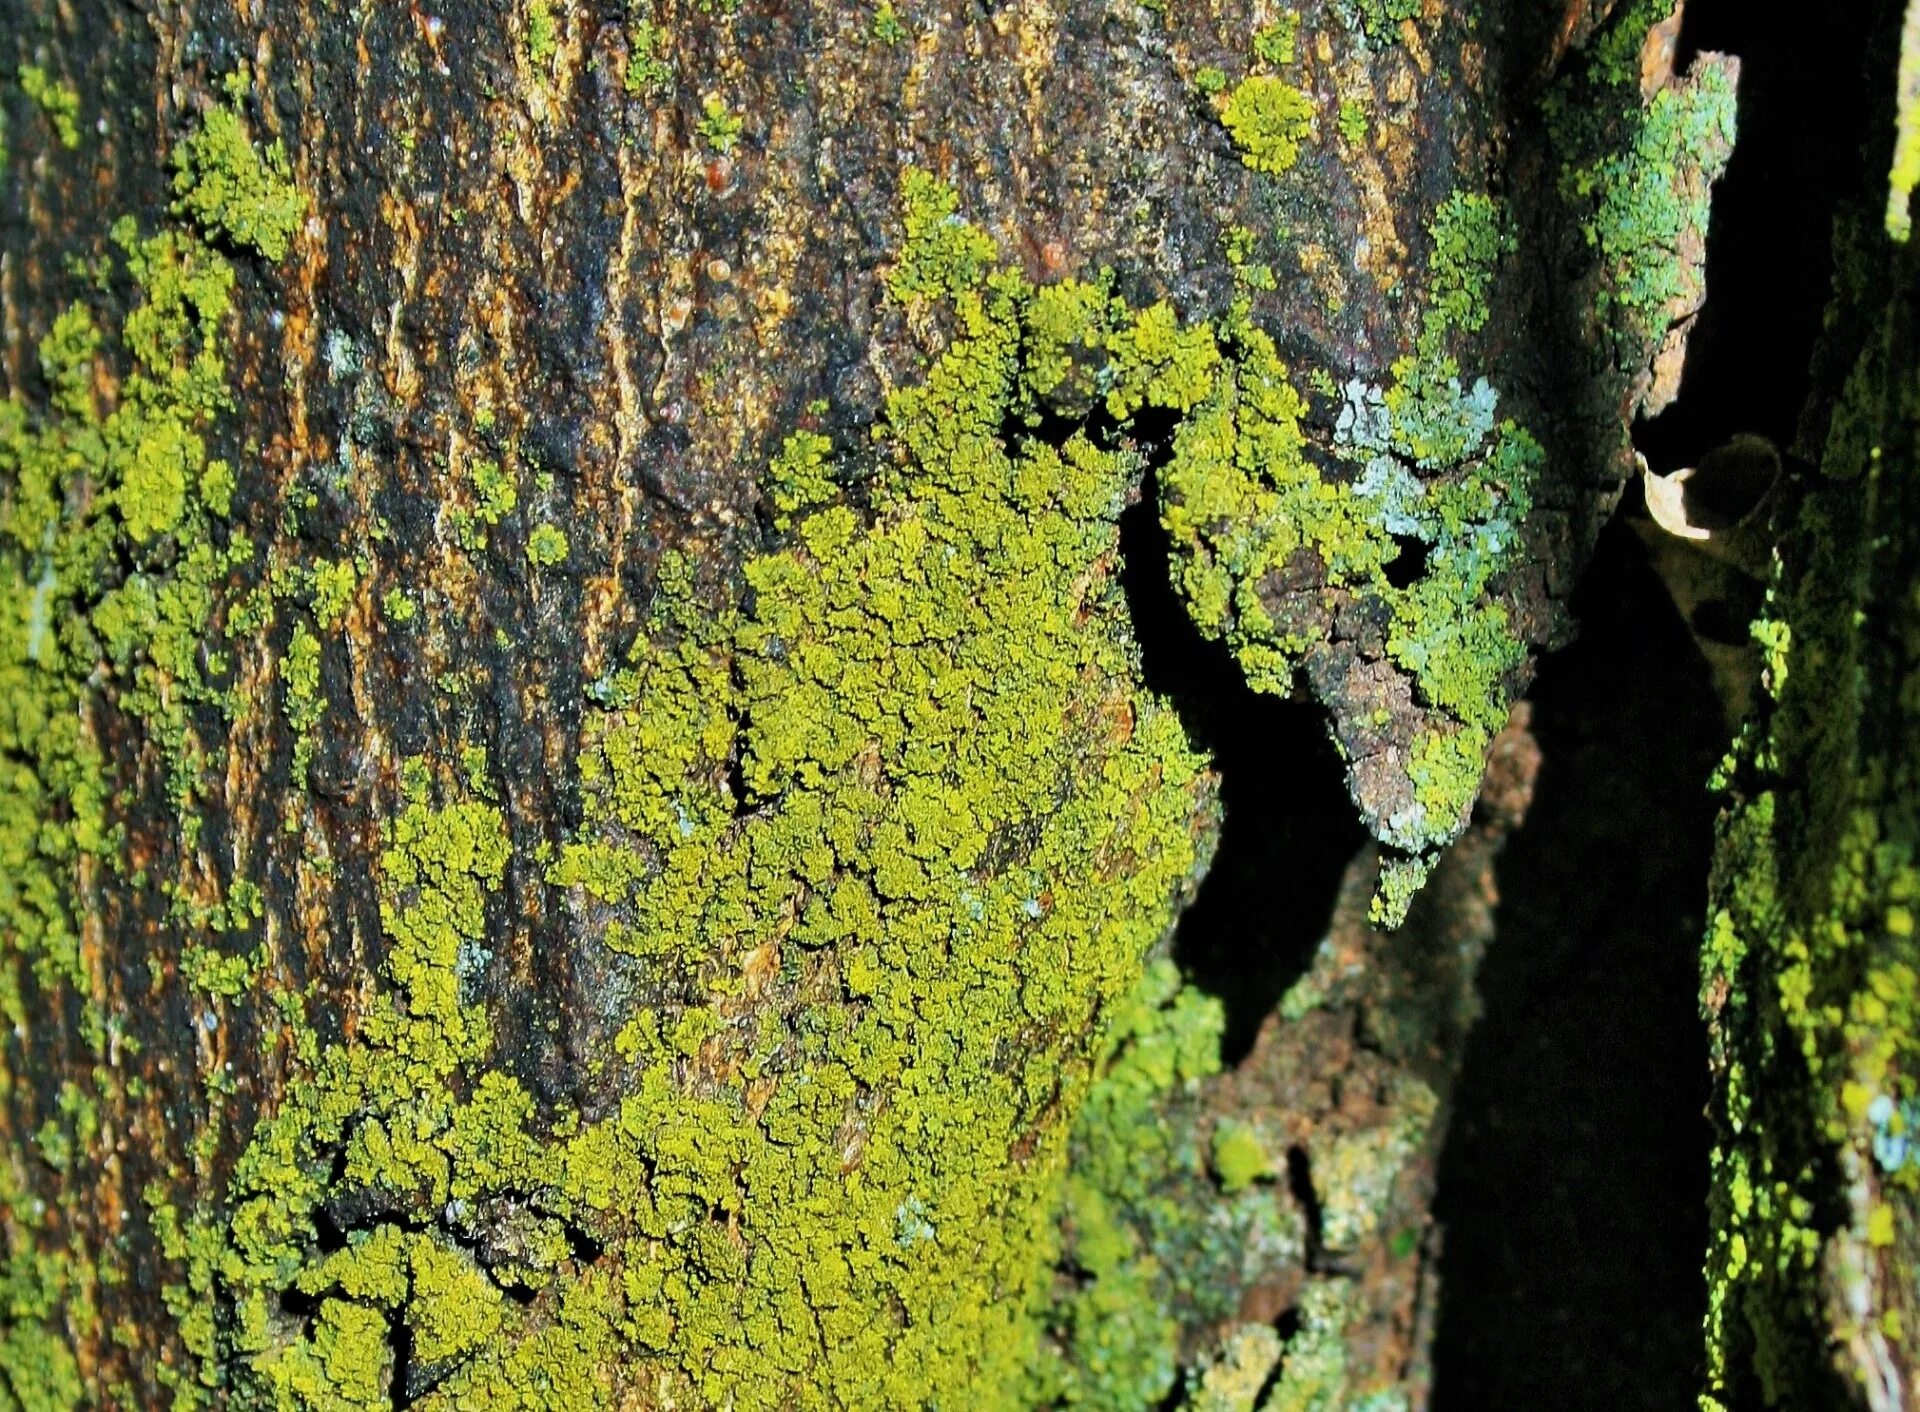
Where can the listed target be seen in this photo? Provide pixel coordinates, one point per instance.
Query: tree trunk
(608, 623)
(1810, 962)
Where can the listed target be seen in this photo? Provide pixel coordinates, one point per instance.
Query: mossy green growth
(801, 476)
(384, 1109)
(878, 954)
(235, 191)
(1234, 1381)
(945, 256)
(89, 484)
(332, 586)
(1313, 1367)
(58, 101)
(1155, 1239)
(1268, 119)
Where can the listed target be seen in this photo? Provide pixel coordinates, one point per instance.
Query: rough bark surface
(581, 813)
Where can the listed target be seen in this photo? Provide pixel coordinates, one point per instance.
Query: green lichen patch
(1428, 462)
(546, 546)
(543, 34)
(1638, 175)
(235, 191)
(886, 27)
(952, 827)
(1268, 119)
(1380, 20)
(648, 70)
(59, 102)
(1274, 45)
(719, 124)
(1353, 122)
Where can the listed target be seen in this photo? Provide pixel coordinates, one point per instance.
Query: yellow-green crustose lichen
(112, 548)
(1432, 463)
(233, 189)
(876, 961)
(1267, 118)
(546, 546)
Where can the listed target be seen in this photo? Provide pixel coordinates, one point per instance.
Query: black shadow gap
(1289, 830)
(1573, 1184)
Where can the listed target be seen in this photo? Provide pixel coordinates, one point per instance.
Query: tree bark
(587, 816)
(1809, 962)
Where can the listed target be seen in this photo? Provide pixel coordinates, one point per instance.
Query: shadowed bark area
(1573, 1189)
(1810, 957)
(583, 809)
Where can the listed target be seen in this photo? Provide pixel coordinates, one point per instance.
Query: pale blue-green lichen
(1638, 173)
(1431, 462)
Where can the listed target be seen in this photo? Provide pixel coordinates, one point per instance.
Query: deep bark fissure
(1289, 828)
(1573, 1184)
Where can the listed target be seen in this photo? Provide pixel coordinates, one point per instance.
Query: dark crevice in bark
(1803, 116)
(1574, 1180)
(400, 1338)
(1573, 1184)
(1300, 1187)
(1289, 829)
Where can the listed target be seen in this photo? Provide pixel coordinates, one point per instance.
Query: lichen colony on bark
(581, 815)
